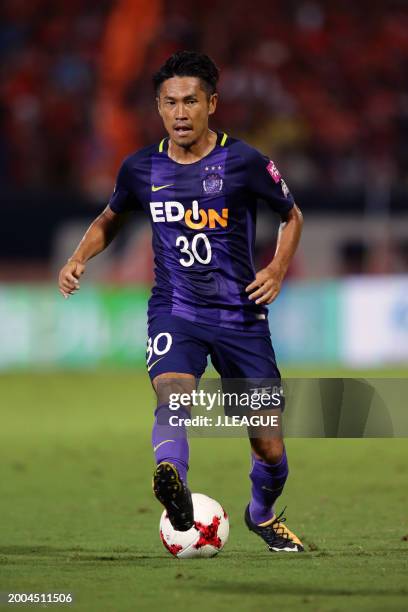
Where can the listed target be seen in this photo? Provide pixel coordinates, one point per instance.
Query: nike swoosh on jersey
(154, 188)
(149, 367)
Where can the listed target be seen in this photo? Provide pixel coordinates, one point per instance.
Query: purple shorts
(178, 345)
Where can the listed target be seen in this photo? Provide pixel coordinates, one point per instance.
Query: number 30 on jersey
(190, 250)
(157, 347)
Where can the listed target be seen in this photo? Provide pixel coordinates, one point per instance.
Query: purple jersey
(203, 218)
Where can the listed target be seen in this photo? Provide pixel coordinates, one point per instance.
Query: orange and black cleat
(276, 535)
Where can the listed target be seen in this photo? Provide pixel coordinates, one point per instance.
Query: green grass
(77, 513)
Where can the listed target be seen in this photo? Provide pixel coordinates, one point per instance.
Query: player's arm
(266, 286)
(101, 232)
(99, 235)
(266, 182)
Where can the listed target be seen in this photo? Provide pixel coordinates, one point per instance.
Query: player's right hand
(68, 279)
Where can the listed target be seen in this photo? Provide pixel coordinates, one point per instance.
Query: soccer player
(199, 189)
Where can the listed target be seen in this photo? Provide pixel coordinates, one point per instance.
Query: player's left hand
(266, 286)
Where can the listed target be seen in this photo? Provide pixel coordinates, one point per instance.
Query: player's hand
(266, 286)
(68, 280)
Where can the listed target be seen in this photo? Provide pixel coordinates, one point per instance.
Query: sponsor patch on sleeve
(273, 171)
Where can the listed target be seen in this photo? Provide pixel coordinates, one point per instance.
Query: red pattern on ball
(172, 548)
(208, 534)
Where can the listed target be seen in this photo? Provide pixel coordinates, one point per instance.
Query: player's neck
(198, 150)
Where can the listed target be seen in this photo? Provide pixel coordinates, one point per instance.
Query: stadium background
(321, 87)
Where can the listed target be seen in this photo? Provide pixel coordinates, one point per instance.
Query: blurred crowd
(320, 85)
(49, 57)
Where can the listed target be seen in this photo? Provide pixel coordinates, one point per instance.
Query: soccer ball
(205, 539)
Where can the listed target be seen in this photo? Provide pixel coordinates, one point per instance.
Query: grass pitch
(77, 513)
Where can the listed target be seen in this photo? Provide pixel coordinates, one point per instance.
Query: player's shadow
(75, 553)
(273, 588)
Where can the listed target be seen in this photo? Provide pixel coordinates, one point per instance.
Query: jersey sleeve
(266, 182)
(123, 199)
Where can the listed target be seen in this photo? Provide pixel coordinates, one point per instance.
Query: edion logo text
(194, 217)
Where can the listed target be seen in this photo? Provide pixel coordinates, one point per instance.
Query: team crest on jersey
(213, 182)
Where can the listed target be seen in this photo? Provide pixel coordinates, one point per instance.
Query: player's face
(185, 106)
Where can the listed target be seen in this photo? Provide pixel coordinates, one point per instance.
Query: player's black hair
(188, 63)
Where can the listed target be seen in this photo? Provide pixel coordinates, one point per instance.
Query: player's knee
(270, 451)
(170, 387)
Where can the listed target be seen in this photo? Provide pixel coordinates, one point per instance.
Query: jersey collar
(221, 140)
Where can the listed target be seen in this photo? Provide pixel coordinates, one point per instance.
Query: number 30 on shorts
(157, 347)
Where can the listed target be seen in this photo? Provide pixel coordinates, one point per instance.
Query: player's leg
(269, 472)
(176, 359)
(171, 449)
(251, 356)
(169, 436)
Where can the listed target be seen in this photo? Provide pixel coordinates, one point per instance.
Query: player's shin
(268, 481)
(169, 438)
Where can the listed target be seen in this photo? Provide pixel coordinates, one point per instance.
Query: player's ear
(158, 105)
(212, 103)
